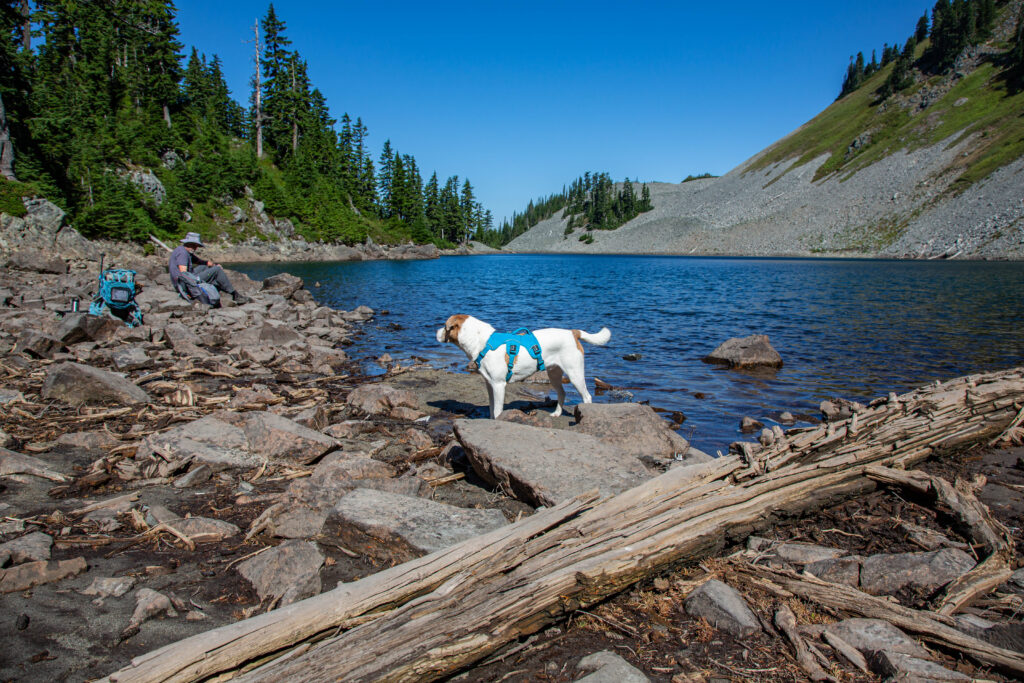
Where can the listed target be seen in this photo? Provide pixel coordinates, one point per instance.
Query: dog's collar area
(521, 337)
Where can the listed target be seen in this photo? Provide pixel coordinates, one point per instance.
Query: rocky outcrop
(42, 231)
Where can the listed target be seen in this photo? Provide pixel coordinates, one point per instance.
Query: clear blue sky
(522, 97)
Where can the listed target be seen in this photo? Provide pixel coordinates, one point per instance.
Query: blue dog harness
(513, 340)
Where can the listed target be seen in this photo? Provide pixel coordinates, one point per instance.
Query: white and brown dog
(561, 352)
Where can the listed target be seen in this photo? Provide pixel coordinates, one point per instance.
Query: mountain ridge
(934, 170)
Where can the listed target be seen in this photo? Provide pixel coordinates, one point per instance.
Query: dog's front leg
(497, 395)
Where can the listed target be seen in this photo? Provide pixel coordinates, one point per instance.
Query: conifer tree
(385, 171)
(922, 28)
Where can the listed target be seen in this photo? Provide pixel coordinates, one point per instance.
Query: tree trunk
(26, 26)
(430, 617)
(6, 148)
(258, 93)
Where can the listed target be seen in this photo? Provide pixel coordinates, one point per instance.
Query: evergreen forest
(591, 202)
(102, 113)
(954, 26)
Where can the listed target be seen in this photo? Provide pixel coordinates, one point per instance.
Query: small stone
(204, 529)
(787, 418)
(148, 604)
(194, 477)
(844, 570)
(724, 608)
(608, 667)
(749, 425)
(805, 553)
(632, 356)
(109, 587)
(22, 623)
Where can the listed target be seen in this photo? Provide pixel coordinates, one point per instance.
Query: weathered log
(982, 529)
(434, 615)
(929, 626)
(786, 621)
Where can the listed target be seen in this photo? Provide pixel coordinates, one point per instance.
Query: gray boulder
(288, 573)
(38, 345)
(284, 284)
(887, 574)
(82, 327)
(31, 547)
(37, 262)
(546, 466)
(81, 384)
(746, 352)
(632, 428)
(724, 608)
(395, 528)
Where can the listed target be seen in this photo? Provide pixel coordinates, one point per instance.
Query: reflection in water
(855, 329)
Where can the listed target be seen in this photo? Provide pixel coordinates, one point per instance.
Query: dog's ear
(453, 326)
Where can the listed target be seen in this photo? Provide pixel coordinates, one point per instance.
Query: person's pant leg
(216, 276)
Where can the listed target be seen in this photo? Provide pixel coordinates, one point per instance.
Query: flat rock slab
(24, 576)
(16, 463)
(608, 667)
(546, 466)
(723, 607)
(275, 437)
(741, 353)
(78, 384)
(893, 666)
(241, 440)
(875, 635)
(887, 574)
(288, 573)
(391, 527)
(632, 428)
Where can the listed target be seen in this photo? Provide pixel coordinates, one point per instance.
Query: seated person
(184, 260)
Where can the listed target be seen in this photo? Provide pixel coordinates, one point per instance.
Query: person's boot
(239, 298)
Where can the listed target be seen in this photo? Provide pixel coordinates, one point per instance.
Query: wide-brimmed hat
(192, 238)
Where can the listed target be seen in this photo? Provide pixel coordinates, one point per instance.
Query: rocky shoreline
(215, 464)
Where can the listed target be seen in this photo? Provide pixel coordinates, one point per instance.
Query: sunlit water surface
(854, 329)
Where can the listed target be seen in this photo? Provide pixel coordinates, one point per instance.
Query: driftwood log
(931, 627)
(429, 617)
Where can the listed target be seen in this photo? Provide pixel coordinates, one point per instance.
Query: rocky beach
(213, 468)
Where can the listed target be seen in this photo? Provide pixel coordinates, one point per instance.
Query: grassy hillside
(984, 103)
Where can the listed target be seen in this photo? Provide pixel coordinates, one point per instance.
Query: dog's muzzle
(442, 334)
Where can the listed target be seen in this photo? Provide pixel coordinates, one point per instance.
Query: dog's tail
(599, 339)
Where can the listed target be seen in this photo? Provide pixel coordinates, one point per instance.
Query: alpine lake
(854, 329)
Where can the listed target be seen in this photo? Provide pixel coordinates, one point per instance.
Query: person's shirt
(181, 256)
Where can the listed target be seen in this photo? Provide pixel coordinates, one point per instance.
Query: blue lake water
(849, 328)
